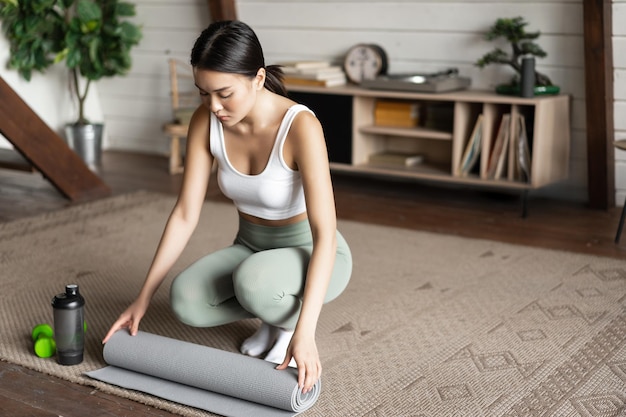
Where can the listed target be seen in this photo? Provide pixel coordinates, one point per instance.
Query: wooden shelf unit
(446, 124)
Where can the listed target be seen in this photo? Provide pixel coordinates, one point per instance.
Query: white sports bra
(274, 194)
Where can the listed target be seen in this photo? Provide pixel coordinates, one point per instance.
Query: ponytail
(274, 80)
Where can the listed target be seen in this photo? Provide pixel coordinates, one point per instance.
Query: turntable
(439, 82)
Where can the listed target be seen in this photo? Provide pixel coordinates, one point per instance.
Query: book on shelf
(405, 159)
(498, 146)
(512, 162)
(502, 158)
(305, 64)
(331, 82)
(522, 152)
(315, 73)
(396, 113)
(393, 120)
(332, 71)
(331, 76)
(401, 106)
(472, 149)
(519, 151)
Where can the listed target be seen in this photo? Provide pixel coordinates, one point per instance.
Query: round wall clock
(365, 62)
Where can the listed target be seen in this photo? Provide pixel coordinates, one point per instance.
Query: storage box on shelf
(445, 125)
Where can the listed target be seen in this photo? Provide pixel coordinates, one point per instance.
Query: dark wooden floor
(450, 210)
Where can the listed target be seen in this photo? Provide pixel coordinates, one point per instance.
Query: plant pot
(86, 141)
(539, 90)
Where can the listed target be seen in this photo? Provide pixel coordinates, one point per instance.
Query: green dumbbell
(44, 344)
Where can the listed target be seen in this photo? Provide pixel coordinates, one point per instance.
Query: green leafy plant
(522, 43)
(94, 38)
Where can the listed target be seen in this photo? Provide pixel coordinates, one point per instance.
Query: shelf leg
(621, 224)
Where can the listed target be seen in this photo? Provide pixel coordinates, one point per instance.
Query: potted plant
(522, 44)
(92, 37)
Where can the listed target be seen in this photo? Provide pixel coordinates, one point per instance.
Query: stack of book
(396, 113)
(314, 73)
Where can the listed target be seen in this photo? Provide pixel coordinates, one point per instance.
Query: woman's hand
(303, 350)
(129, 319)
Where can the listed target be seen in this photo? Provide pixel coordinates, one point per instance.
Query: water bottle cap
(70, 299)
(71, 290)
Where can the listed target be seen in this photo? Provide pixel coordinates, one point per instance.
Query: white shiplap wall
(619, 63)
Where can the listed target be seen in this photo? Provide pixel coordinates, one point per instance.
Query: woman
(287, 259)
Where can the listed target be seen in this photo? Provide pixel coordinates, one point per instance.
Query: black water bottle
(69, 322)
(527, 84)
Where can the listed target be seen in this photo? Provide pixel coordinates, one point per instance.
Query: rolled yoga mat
(225, 383)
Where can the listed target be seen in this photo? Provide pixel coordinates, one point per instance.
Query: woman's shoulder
(199, 123)
(304, 121)
(303, 114)
(201, 114)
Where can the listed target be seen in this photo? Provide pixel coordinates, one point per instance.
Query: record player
(439, 82)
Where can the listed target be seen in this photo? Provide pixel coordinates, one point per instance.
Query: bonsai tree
(522, 43)
(94, 39)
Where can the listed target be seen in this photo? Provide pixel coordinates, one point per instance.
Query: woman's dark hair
(232, 46)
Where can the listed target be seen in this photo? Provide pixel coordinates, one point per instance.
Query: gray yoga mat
(225, 383)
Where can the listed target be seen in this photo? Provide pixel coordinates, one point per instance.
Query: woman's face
(229, 96)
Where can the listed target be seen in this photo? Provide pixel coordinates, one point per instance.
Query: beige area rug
(431, 325)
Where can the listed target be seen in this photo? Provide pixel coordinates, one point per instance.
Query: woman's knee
(247, 285)
(205, 283)
(270, 279)
(184, 296)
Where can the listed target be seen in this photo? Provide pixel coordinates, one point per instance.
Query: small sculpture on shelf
(522, 46)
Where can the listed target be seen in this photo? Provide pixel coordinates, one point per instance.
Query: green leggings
(261, 275)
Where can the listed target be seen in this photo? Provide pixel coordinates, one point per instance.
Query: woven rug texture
(430, 325)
